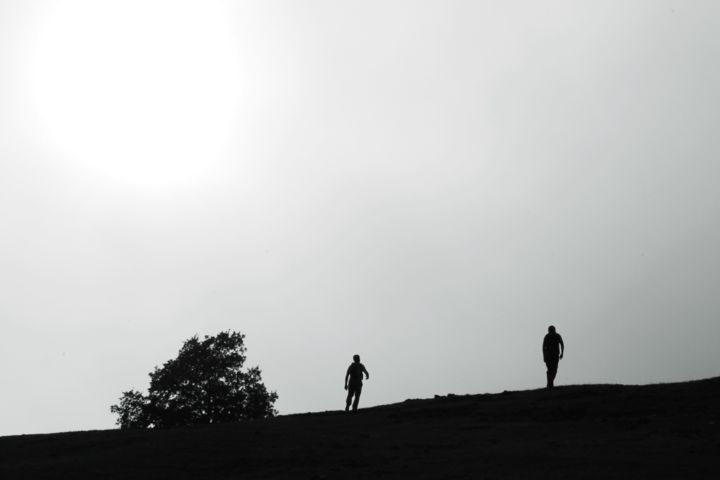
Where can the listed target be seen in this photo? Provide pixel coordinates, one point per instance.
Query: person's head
(551, 329)
(356, 358)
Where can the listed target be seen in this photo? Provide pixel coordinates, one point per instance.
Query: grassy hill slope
(589, 431)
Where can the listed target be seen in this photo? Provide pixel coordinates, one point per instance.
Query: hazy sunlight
(141, 91)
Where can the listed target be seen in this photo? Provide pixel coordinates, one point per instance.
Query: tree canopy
(204, 384)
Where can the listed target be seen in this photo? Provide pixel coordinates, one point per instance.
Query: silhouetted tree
(204, 384)
(131, 410)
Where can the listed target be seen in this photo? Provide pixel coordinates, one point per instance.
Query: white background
(427, 184)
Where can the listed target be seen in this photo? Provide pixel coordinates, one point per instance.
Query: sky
(427, 184)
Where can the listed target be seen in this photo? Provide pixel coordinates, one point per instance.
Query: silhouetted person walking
(354, 385)
(553, 349)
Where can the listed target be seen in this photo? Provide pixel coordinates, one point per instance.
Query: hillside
(589, 431)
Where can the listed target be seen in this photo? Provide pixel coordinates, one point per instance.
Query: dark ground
(578, 432)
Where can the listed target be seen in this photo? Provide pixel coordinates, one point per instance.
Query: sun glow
(142, 91)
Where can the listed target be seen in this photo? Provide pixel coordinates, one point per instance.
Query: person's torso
(356, 372)
(551, 343)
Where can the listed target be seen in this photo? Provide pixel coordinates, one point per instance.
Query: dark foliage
(204, 384)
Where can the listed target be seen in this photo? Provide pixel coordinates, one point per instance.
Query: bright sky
(427, 184)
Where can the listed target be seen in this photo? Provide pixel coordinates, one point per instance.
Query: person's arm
(367, 375)
(347, 375)
(562, 347)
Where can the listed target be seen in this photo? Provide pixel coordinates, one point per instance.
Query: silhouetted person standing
(353, 382)
(553, 349)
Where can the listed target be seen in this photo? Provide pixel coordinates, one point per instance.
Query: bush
(204, 384)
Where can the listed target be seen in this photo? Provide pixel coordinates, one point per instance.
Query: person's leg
(552, 367)
(348, 400)
(358, 390)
